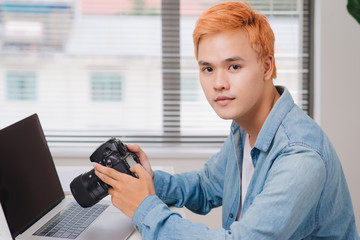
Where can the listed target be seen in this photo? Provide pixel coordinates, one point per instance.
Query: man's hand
(142, 157)
(126, 191)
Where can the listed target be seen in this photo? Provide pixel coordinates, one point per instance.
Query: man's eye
(234, 67)
(208, 69)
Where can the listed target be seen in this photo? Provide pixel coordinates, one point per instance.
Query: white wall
(337, 86)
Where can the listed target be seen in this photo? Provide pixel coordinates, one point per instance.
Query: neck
(253, 123)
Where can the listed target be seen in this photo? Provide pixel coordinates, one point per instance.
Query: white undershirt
(247, 172)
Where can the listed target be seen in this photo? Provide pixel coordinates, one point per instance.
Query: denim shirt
(297, 191)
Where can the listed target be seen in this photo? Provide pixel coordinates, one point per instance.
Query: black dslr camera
(87, 188)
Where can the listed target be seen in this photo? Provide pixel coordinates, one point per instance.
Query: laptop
(31, 194)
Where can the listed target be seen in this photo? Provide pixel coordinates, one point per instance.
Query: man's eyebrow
(233, 59)
(203, 63)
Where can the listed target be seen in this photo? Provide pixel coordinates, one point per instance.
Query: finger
(138, 151)
(107, 174)
(134, 148)
(106, 171)
(111, 191)
(142, 156)
(140, 171)
(106, 179)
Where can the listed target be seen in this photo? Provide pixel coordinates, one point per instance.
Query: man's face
(231, 76)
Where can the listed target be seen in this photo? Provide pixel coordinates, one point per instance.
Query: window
(106, 87)
(190, 89)
(127, 68)
(21, 86)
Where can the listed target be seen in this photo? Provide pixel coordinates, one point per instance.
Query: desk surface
(68, 173)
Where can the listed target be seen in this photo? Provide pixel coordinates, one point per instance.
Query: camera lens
(88, 189)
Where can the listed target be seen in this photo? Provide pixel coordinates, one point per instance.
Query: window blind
(93, 69)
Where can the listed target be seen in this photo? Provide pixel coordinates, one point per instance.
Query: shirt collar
(272, 123)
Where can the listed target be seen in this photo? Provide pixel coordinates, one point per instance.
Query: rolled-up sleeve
(154, 220)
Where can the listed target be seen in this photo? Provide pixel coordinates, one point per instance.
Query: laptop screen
(29, 184)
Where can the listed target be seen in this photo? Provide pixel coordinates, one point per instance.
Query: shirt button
(231, 215)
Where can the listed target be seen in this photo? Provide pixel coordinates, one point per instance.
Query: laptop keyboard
(71, 221)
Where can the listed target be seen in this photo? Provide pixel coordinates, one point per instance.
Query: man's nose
(221, 81)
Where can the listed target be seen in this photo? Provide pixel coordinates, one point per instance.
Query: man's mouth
(223, 100)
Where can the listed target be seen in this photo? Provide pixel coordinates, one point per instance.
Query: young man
(276, 176)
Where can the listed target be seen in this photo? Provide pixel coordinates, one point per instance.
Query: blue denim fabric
(298, 189)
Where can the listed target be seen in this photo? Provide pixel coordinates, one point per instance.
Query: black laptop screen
(29, 184)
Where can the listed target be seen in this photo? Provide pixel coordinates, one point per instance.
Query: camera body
(114, 154)
(87, 188)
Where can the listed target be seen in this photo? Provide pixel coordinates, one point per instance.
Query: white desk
(68, 173)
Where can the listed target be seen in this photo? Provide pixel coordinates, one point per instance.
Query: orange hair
(228, 16)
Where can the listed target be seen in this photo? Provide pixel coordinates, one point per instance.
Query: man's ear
(268, 67)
